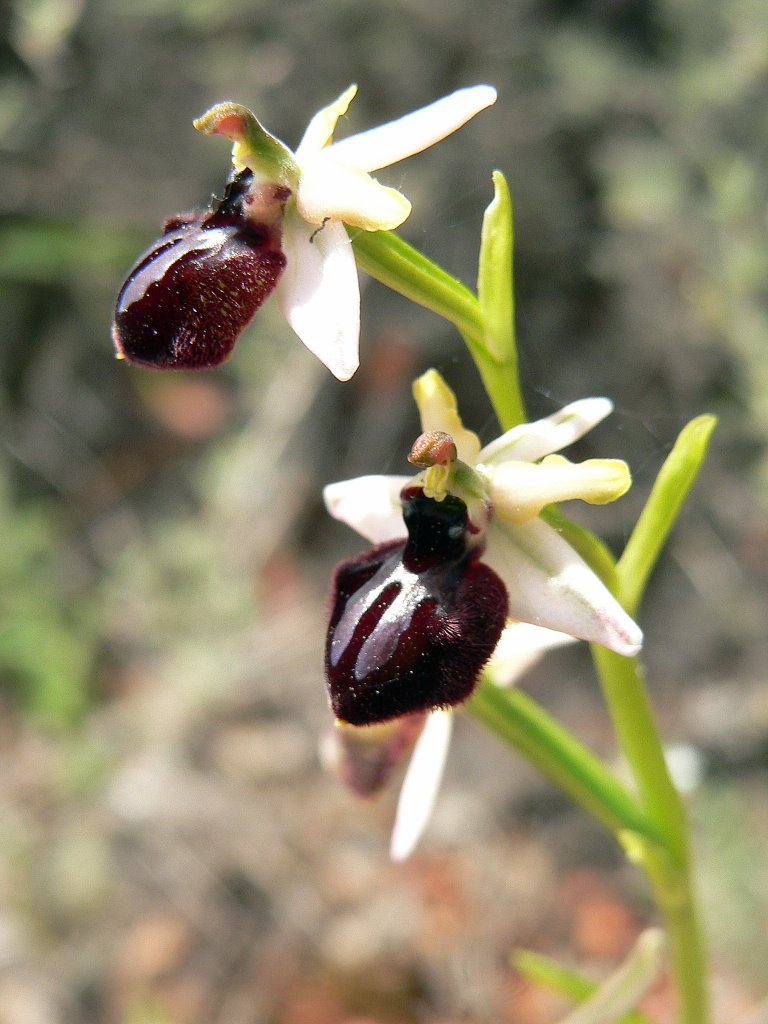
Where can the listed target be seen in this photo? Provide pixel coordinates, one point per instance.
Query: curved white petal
(531, 441)
(550, 585)
(385, 145)
(331, 190)
(421, 784)
(518, 491)
(320, 129)
(319, 293)
(370, 505)
(520, 646)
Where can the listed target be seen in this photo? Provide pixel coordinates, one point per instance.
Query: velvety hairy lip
(413, 622)
(189, 297)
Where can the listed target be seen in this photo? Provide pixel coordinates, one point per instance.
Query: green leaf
(50, 251)
(494, 274)
(544, 971)
(669, 491)
(523, 724)
(404, 269)
(574, 986)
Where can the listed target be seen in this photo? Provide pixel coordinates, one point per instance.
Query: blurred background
(170, 849)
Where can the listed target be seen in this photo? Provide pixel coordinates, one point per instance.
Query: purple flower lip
(413, 622)
(191, 294)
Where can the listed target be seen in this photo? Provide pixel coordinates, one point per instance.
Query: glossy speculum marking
(413, 622)
(190, 295)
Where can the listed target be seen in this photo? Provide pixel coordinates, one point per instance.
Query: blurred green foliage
(45, 252)
(47, 645)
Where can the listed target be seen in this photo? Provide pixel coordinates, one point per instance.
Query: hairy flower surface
(189, 297)
(281, 226)
(365, 758)
(505, 486)
(552, 597)
(413, 623)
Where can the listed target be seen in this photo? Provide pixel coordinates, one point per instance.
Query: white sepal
(550, 585)
(369, 504)
(319, 294)
(530, 442)
(421, 784)
(408, 135)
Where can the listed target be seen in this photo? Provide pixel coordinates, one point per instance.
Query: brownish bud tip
(435, 448)
(227, 119)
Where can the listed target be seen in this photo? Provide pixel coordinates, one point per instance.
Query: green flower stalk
(475, 572)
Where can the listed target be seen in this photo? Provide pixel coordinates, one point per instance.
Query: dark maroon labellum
(191, 294)
(413, 622)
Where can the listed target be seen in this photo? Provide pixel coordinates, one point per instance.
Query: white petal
(421, 784)
(531, 441)
(385, 145)
(322, 126)
(319, 293)
(370, 505)
(550, 585)
(518, 491)
(520, 646)
(329, 190)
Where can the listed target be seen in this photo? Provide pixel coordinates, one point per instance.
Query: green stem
(520, 722)
(677, 900)
(654, 832)
(627, 700)
(501, 385)
(669, 869)
(404, 269)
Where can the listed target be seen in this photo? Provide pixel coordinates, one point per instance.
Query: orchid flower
(551, 595)
(366, 757)
(501, 489)
(280, 226)
(520, 647)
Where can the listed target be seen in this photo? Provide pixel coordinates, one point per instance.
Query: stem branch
(520, 722)
(404, 269)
